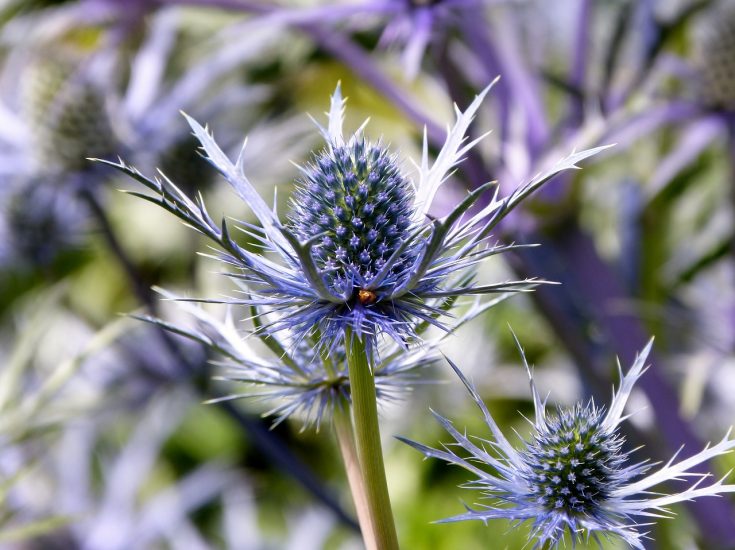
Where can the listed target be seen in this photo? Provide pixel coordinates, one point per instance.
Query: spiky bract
(358, 251)
(308, 387)
(181, 162)
(295, 380)
(572, 479)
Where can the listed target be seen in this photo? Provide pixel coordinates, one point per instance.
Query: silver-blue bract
(291, 378)
(572, 478)
(359, 250)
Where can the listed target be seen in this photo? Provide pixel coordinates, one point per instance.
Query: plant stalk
(367, 438)
(348, 450)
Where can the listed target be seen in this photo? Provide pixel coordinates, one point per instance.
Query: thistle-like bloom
(358, 250)
(572, 475)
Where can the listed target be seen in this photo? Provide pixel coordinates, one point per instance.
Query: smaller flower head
(573, 476)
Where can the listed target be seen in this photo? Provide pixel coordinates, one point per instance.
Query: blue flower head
(358, 250)
(572, 477)
(357, 206)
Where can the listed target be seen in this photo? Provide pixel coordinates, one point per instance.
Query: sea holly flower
(358, 250)
(572, 477)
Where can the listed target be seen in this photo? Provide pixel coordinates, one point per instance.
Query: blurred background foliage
(104, 442)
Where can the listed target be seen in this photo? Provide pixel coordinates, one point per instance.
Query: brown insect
(366, 297)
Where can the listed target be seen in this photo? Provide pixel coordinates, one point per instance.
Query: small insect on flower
(357, 251)
(366, 297)
(572, 477)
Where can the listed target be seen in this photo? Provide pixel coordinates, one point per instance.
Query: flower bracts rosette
(357, 250)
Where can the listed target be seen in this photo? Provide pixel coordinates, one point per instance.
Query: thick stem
(580, 55)
(369, 451)
(348, 450)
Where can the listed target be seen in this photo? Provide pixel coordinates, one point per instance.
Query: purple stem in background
(237, 5)
(729, 120)
(565, 313)
(651, 32)
(362, 65)
(579, 56)
(477, 40)
(637, 69)
(413, 53)
(644, 124)
(500, 53)
(696, 137)
(344, 49)
(287, 15)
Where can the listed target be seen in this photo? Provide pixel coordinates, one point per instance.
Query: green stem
(346, 440)
(367, 436)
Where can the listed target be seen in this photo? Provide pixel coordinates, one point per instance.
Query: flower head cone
(357, 251)
(572, 479)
